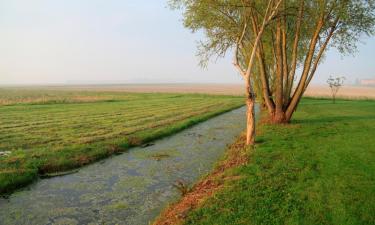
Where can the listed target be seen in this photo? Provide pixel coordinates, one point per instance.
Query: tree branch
(238, 43)
(295, 48)
(321, 51)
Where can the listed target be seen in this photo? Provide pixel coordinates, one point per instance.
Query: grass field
(45, 95)
(318, 170)
(51, 131)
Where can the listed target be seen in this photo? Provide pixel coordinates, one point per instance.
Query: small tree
(335, 84)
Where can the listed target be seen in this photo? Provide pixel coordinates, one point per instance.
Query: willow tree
(273, 40)
(226, 23)
(297, 41)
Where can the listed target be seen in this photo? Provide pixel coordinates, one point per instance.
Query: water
(131, 188)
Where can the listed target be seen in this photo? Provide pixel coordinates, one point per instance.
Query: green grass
(56, 135)
(318, 170)
(44, 95)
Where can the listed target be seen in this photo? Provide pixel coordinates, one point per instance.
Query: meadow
(44, 132)
(320, 169)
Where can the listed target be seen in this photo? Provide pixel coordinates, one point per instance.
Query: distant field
(114, 91)
(49, 131)
(51, 95)
(220, 89)
(346, 92)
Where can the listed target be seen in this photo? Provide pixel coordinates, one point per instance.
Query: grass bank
(320, 169)
(52, 135)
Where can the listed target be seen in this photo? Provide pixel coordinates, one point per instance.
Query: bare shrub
(182, 187)
(335, 83)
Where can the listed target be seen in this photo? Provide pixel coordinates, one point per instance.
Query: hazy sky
(79, 41)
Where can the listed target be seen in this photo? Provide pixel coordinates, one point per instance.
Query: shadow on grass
(332, 119)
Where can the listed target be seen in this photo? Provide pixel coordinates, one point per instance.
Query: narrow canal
(131, 188)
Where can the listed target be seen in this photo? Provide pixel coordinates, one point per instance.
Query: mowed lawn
(57, 131)
(320, 169)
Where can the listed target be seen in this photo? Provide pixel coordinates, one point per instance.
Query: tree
(337, 23)
(297, 40)
(335, 84)
(278, 44)
(227, 24)
(246, 70)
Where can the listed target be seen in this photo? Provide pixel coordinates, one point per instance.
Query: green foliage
(222, 21)
(48, 136)
(219, 20)
(357, 19)
(318, 170)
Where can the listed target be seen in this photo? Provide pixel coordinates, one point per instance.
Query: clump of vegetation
(182, 187)
(160, 156)
(335, 84)
(58, 174)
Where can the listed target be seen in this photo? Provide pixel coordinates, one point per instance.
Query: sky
(122, 41)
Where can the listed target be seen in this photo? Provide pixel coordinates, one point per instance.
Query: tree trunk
(250, 97)
(250, 115)
(305, 72)
(279, 117)
(279, 97)
(268, 102)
